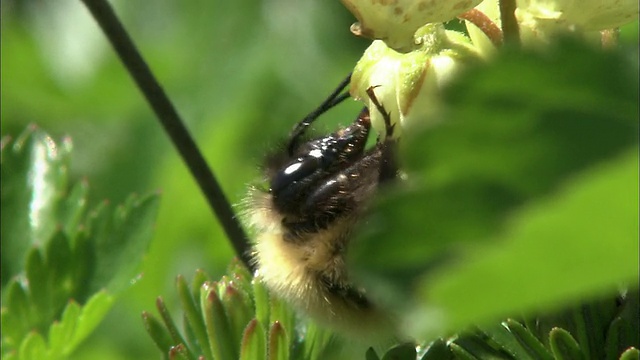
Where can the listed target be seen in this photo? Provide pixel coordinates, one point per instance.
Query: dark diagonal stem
(171, 122)
(510, 28)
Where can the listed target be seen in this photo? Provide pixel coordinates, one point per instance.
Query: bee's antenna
(174, 126)
(334, 99)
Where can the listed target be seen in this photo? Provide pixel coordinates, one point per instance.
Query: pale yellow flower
(407, 84)
(396, 21)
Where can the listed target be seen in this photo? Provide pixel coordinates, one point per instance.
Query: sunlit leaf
(121, 239)
(34, 179)
(581, 242)
(56, 298)
(498, 183)
(33, 347)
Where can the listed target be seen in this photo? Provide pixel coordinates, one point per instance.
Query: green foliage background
(240, 73)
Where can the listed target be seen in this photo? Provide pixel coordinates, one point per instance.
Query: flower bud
(588, 15)
(540, 20)
(407, 84)
(395, 22)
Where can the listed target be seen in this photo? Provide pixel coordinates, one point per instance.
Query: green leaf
(194, 317)
(535, 348)
(507, 341)
(630, 354)
(173, 334)
(461, 353)
(501, 145)
(401, 352)
(60, 286)
(584, 239)
(281, 312)
(589, 332)
(121, 240)
(34, 179)
(81, 264)
(76, 323)
(564, 346)
(217, 324)
(241, 277)
(262, 301)
(159, 334)
(515, 131)
(209, 327)
(93, 311)
(17, 315)
(437, 350)
(15, 323)
(253, 345)
(278, 342)
(179, 352)
(371, 354)
(476, 344)
(61, 333)
(319, 342)
(623, 330)
(10, 356)
(73, 208)
(239, 309)
(53, 251)
(613, 345)
(33, 347)
(199, 279)
(38, 282)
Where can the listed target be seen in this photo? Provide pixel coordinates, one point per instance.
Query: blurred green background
(240, 73)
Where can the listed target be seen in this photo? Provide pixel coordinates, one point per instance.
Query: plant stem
(167, 115)
(482, 21)
(510, 29)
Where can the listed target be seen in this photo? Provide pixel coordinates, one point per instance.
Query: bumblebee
(318, 190)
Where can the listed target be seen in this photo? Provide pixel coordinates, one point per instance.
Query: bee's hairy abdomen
(310, 273)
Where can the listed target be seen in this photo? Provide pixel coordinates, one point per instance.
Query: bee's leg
(388, 164)
(387, 147)
(319, 207)
(348, 293)
(385, 115)
(326, 193)
(327, 202)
